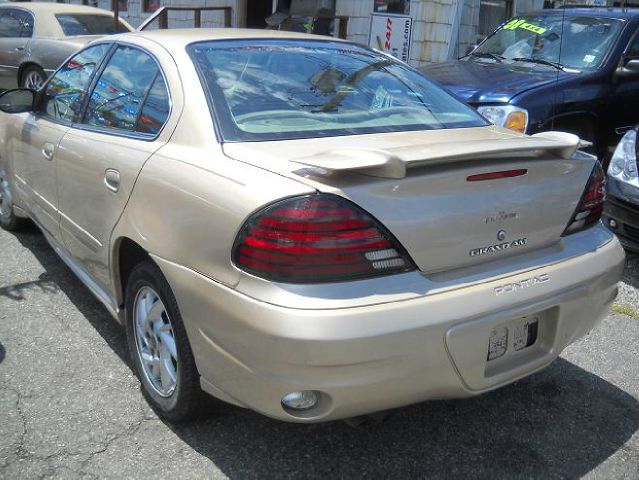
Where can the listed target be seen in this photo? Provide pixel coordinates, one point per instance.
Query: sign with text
(391, 34)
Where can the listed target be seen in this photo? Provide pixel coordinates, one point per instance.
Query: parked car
(304, 226)
(621, 212)
(35, 38)
(574, 70)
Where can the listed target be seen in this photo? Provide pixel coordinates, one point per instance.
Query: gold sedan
(304, 226)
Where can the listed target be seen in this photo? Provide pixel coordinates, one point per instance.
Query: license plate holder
(512, 337)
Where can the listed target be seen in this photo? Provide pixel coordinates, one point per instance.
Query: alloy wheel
(33, 80)
(155, 341)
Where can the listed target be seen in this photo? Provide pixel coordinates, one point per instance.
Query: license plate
(516, 335)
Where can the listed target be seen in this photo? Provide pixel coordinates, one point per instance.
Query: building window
(123, 5)
(400, 7)
(150, 6)
(493, 13)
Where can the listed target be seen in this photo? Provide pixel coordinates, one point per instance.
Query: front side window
(64, 94)
(273, 89)
(88, 24)
(121, 90)
(15, 23)
(569, 40)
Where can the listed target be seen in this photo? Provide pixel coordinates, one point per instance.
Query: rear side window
(88, 24)
(156, 108)
(65, 92)
(15, 23)
(130, 79)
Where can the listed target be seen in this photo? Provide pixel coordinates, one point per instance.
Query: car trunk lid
(422, 186)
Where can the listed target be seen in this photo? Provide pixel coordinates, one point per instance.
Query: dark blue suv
(574, 70)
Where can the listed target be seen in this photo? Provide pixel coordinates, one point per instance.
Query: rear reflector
(590, 207)
(494, 175)
(317, 238)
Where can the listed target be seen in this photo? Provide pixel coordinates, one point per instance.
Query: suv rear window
(88, 24)
(278, 89)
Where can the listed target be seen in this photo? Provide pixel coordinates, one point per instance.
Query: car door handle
(112, 179)
(20, 49)
(48, 150)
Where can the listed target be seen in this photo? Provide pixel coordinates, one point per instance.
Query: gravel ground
(70, 407)
(628, 298)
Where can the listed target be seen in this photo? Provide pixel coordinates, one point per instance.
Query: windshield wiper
(494, 56)
(541, 61)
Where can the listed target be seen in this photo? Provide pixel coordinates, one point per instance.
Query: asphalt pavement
(70, 406)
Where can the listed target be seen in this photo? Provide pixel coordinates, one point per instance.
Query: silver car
(35, 38)
(304, 226)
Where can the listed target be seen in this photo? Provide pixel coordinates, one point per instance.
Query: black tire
(187, 399)
(8, 219)
(29, 76)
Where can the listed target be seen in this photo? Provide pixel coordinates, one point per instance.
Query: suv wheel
(159, 347)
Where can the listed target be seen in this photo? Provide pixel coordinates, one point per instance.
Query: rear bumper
(370, 358)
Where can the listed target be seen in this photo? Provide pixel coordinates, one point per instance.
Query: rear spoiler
(393, 163)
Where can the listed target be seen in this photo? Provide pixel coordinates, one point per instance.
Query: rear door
(58, 107)
(100, 157)
(16, 28)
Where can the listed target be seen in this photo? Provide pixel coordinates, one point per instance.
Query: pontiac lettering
(525, 283)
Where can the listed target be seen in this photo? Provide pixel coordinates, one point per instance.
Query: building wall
(432, 22)
(523, 6)
(135, 16)
(432, 26)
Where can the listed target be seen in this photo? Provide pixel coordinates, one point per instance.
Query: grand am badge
(498, 247)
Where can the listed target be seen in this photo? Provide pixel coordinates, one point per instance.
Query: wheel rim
(155, 342)
(33, 80)
(6, 200)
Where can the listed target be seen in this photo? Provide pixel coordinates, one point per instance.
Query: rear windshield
(88, 24)
(275, 90)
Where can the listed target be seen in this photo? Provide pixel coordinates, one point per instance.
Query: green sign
(515, 24)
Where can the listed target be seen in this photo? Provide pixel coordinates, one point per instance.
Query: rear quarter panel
(189, 214)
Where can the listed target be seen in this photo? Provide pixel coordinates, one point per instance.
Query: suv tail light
(317, 238)
(591, 205)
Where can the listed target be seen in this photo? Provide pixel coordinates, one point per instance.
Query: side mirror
(629, 69)
(18, 100)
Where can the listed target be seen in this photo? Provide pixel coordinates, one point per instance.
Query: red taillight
(592, 201)
(317, 238)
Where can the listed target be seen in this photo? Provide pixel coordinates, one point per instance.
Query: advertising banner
(391, 34)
